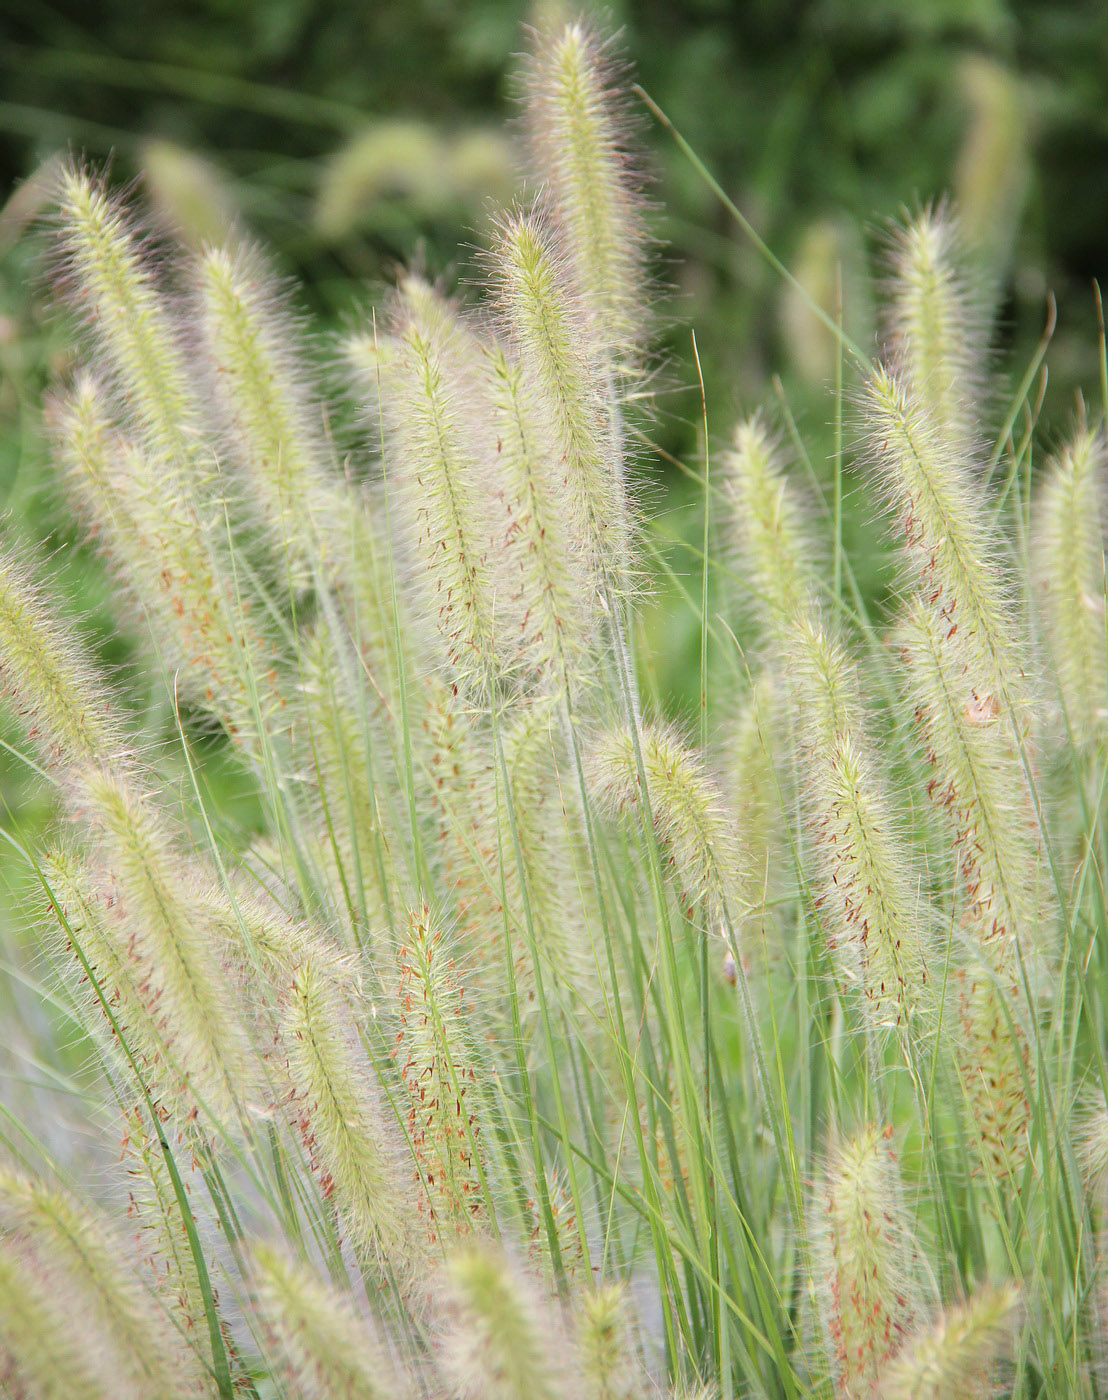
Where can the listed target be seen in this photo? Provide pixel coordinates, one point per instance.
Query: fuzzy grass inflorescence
(528, 1039)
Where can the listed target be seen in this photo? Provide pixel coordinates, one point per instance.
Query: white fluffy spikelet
(271, 422)
(334, 1104)
(960, 1356)
(545, 563)
(324, 1348)
(868, 1269)
(156, 537)
(935, 323)
(435, 1057)
(766, 524)
(694, 830)
(112, 286)
(438, 472)
(501, 1344)
(869, 897)
(87, 1264)
(578, 136)
(1069, 574)
(951, 546)
(48, 674)
(43, 1352)
(546, 326)
(163, 928)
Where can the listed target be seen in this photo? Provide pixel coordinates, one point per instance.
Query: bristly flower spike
(577, 134)
(87, 1265)
(438, 471)
(766, 523)
(166, 930)
(1068, 568)
(501, 1345)
(950, 544)
(868, 1267)
(348, 1139)
(48, 674)
(112, 285)
(959, 1357)
(545, 325)
(271, 422)
(323, 1346)
(868, 898)
(545, 563)
(694, 830)
(935, 324)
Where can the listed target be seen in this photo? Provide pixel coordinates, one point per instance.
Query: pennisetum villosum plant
(533, 1046)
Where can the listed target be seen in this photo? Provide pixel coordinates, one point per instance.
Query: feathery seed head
(113, 287)
(543, 320)
(335, 1108)
(439, 468)
(872, 906)
(868, 1267)
(44, 1352)
(434, 1052)
(48, 674)
(996, 1067)
(87, 1266)
(694, 830)
(325, 1349)
(766, 522)
(608, 1363)
(959, 1356)
(980, 786)
(1069, 574)
(936, 324)
(950, 544)
(502, 1345)
(545, 563)
(578, 136)
(253, 360)
(161, 926)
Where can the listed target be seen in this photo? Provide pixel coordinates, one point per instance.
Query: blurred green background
(353, 137)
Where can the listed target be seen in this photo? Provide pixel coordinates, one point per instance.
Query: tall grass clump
(527, 1039)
